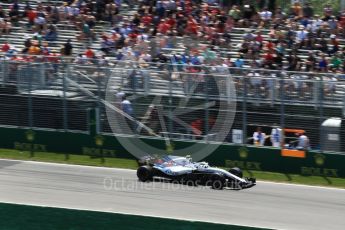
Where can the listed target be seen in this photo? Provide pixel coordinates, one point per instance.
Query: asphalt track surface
(278, 206)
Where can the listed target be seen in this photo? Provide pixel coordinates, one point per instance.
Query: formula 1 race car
(183, 170)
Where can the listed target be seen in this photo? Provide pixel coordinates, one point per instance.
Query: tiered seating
(65, 29)
(159, 82)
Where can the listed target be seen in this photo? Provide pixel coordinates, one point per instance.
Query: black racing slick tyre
(217, 182)
(236, 171)
(145, 173)
(189, 180)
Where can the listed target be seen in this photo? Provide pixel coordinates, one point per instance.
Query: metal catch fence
(204, 103)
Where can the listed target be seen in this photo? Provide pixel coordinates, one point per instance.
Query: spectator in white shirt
(259, 137)
(276, 137)
(303, 141)
(315, 25)
(255, 81)
(40, 23)
(265, 16)
(301, 36)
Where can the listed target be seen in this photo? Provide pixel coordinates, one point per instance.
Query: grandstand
(57, 94)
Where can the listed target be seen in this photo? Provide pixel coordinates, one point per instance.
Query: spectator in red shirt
(171, 22)
(163, 27)
(147, 19)
(192, 26)
(32, 14)
(89, 53)
(5, 47)
(270, 45)
(259, 38)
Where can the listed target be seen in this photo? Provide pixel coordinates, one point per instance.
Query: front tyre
(236, 171)
(145, 173)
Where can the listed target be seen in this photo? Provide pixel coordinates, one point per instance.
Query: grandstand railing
(266, 98)
(262, 84)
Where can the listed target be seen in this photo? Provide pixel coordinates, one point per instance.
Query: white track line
(301, 185)
(68, 165)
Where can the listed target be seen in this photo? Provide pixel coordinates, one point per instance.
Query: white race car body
(182, 168)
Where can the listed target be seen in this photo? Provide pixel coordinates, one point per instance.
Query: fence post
(5, 71)
(41, 74)
(321, 99)
(282, 101)
(133, 84)
(99, 98)
(30, 100)
(92, 116)
(121, 73)
(228, 79)
(316, 94)
(344, 106)
(272, 91)
(244, 109)
(146, 77)
(170, 118)
(207, 99)
(64, 102)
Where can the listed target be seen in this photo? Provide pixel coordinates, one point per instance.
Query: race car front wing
(248, 183)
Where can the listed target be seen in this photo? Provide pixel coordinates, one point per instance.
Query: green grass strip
(18, 217)
(297, 179)
(132, 164)
(68, 159)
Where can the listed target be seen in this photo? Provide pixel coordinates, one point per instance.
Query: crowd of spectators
(273, 37)
(294, 39)
(39, 21)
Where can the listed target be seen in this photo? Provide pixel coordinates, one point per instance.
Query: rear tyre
(236, 171)
(145, 173)
(217, 182)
